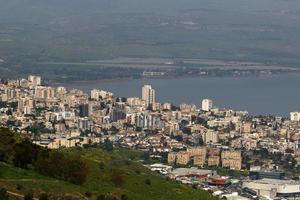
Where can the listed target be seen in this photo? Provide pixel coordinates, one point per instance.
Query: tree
(56, 165)
(43, 196)
(77, 171)
(101, 197)
(117, 177)
(28, 196)
(179, 138)
(25, 153)
(108, 145)
(148, 181)
(7, 141)
(124, 197)
(146, 156)
(3, 194)
(101, 166)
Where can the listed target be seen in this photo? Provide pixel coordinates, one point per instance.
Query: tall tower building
(83, 110)
(207, 104)
(148, 95)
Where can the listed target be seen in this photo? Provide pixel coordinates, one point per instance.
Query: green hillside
(111, 175)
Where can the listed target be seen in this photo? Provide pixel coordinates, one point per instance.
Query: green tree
(28, 196)
(77, 171)
(108, 145)
(148, 181)
(44, 196)
(7, 141)
(25, 153)
(101, 197)
(3, 194)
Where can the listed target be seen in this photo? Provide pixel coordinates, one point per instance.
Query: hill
(111, 175)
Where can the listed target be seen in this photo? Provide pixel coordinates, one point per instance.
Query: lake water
(276, 95)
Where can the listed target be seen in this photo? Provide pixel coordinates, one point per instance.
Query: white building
(97, 94)
(44, 92)
(83, 124)
(272, 188)
(295, 116)
(35, 80)
(207, 104)
(148, 95)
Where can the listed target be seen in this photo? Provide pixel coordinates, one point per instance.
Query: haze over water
(277, 95)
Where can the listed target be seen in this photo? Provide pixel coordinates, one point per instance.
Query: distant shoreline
(58, 83)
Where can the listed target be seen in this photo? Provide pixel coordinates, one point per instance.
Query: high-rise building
(207, 104)
(148, 95)
(84, 110)
(117, 114)
(44, 92)
(83, 123)
(26, 105)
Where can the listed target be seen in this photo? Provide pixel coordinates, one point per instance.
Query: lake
(277, 95)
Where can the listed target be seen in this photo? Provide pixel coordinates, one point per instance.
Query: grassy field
(137, 182)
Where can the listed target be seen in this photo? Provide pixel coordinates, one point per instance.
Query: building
(61, 91)
(273, 188)
(255, 175)
(83, 124)
(246, 128)
(191, 172)
(117, 114)
(167, 106)
(100, 94)
(213, 161)
(198, 155)
(148, 95)
(187, 108)
(26, 105)
(211, 137)
(35, 80)
(295, 116)
(84, 110)
(42, 92)
(231, 159)
(207, 104)
(199, 160)
(172, 158)
(181, 158)
(197, 151)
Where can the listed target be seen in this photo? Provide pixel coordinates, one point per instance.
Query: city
(230, 153)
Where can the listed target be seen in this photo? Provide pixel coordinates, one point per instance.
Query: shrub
(88, 194)
(101, 197)
(124, 197)
(117, 177)
(19, 187)
(148, 181)
(59, 166)
(44, 196)
(28, 196)
(3, 194)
